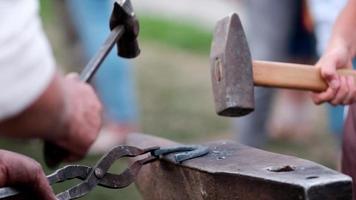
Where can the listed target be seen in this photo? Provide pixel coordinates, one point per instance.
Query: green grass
(181, 35)
(46, 10)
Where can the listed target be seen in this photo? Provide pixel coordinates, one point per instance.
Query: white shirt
(26, 62)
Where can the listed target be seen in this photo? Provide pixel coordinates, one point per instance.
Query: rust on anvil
(234, 171)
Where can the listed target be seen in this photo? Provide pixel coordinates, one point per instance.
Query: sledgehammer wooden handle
(291, 76)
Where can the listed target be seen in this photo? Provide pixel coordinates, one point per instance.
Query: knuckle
(317, 102)
(328, 76)
(3, 175)
(347, 99)
(327, 73)
(37, 172)
(37, 169)
(347, 102)
(328, 97)
(337, 101)
(334, 103)
(332, 94)
(315, 99)
(343, 91)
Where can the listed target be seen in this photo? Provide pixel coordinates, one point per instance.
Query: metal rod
(8, 192)
(88, 72)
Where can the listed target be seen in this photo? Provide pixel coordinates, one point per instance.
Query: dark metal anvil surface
(234, 171)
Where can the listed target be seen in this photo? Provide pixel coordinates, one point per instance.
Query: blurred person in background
(114, 80)
(338, 54)
(276, 31)
(37, 101)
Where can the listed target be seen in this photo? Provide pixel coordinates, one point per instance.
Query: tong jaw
(99, 172)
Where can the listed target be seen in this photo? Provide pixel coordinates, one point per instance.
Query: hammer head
(231, 69)
(123, 15)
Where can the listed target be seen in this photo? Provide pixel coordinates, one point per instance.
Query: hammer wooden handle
(292, 76)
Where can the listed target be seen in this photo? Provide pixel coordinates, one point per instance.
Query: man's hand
(342, 89)
(83, 118)
(22, 172)
(67, 114)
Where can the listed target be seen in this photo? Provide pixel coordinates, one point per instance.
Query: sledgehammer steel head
(231, 69)
(123, 15)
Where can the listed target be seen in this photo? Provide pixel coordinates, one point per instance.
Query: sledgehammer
(124, 32)
(234, 74)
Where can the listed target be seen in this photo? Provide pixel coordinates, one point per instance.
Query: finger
(315, 98)
(41, 187)
(328, 72)
(352, 91)
(342, 92)
(26, 173)
(322, 97)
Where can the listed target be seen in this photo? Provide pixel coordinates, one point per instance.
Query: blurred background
(169, 83)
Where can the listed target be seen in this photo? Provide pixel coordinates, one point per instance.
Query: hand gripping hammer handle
(54, 154)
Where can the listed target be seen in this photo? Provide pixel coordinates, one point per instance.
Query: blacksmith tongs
(98, 175)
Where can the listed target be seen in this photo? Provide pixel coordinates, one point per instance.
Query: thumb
(73, 76)
(41, 187)
(328, 72)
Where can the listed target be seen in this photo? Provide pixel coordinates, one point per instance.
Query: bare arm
(345, 28)
(68, 114)
(339, 54)
(43, 119)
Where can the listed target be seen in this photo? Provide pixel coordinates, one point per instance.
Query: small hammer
(234, 74)
(124, 32)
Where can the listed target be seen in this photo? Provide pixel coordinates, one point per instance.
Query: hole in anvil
(286, 168)
(312, 177)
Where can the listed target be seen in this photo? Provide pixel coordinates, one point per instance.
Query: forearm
(344, 32)
(45, 118)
